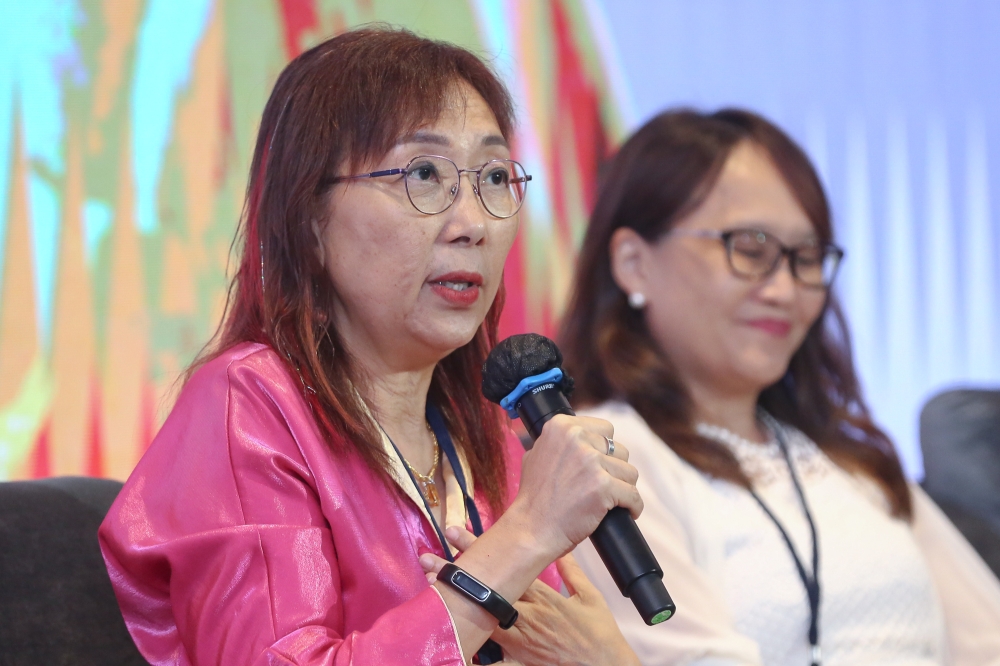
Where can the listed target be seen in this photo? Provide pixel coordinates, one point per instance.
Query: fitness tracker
(480, 594)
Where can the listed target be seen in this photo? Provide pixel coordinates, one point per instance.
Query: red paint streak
(299, 16)
(94, 462)
(513, 320)
(514, 317)
(40, 467)
(578, 115)
(578, 103)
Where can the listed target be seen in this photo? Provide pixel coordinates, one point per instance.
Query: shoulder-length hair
(339, 106)
(660, 175)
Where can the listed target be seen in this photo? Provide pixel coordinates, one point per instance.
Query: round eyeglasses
(432, 184)
(755, 254)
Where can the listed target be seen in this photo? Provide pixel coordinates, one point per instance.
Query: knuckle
(562, 422)
(592, 457)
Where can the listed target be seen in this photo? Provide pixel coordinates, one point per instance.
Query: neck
(734, 411)
(398, 399)
(393, 381)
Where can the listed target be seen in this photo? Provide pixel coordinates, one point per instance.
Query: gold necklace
(425, 482)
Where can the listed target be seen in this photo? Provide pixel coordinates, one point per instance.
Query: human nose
(780, 284)
(467, 221)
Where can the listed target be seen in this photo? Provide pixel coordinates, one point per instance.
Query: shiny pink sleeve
(221, 551)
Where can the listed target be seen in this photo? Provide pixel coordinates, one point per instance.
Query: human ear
(629, 255)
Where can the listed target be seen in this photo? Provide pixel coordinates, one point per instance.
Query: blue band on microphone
(509, 403)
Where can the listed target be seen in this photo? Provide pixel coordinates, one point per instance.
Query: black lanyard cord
(811, 583)
(490, 652)
(444, 543)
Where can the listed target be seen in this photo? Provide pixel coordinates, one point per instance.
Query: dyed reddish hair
(660, 175)
(336, 107)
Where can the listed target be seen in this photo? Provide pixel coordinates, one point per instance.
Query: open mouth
(457, 286)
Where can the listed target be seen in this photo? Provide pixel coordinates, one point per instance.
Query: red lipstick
(459, 288)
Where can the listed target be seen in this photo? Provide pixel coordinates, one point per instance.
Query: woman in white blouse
(702, 326)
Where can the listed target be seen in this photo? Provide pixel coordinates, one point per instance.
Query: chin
(446, 339)
(762, 373)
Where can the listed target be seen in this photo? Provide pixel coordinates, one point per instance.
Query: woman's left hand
(551, 628)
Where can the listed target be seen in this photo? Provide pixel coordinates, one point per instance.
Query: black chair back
(960, 439)
(57, 606)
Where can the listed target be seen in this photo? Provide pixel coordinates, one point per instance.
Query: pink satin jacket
(241, 539)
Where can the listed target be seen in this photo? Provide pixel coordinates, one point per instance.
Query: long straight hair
(660, 175)
(338, 106)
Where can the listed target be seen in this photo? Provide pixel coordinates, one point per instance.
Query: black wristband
(480, 594)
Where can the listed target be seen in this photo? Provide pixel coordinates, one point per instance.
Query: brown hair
(660, 175)
(340, 105)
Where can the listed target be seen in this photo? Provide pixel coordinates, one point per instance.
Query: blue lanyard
(490, 653)
(436, 420)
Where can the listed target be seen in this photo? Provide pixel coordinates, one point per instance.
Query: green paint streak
(22, 418)
(448, 21)
(255, 55)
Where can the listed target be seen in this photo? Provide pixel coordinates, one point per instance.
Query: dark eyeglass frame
(726, 237)
(454, 193)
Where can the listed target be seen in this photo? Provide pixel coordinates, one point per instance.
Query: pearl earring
(637, 300)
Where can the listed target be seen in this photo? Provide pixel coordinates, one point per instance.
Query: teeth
(457, 286)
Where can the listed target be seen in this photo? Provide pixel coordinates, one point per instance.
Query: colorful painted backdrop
(126, 131)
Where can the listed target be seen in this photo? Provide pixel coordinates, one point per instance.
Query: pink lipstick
(779, 328)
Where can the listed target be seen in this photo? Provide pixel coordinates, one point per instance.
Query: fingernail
(427, 562)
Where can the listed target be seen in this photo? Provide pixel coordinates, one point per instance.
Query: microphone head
(516, 358)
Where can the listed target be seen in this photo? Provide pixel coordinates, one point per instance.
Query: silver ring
(611, 446)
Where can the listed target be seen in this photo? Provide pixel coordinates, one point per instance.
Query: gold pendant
(430, 492)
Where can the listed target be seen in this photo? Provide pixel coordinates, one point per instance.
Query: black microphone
(523, 374)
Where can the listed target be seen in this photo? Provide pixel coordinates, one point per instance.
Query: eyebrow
(766, 227)
(441, 140)
(495, 140)
(425, 137)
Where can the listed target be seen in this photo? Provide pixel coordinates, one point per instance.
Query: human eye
(496, 175)
(809, 257)
(809, 254)
(423, 172)
(752, 244)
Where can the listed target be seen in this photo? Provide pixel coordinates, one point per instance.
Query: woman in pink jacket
(334, 431)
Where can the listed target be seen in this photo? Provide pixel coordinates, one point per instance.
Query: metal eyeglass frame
(784, 251)
(454, 193)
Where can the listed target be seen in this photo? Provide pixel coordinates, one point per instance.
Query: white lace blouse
(893, 593)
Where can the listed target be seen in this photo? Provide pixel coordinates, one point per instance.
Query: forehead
(464, 122)
(463, 111)
(751, 191)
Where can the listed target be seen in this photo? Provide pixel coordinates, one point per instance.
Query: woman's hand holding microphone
(569, 482)
(572, 476)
